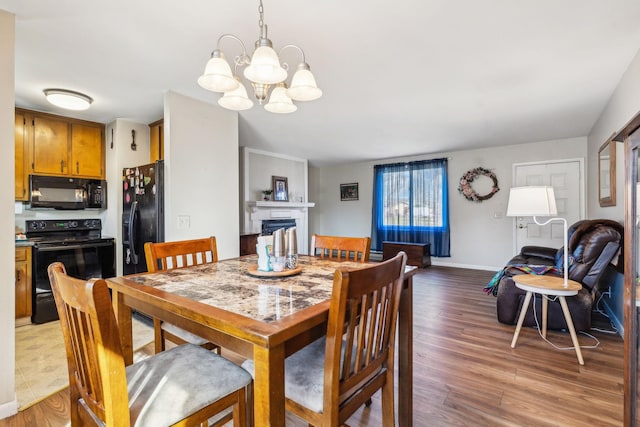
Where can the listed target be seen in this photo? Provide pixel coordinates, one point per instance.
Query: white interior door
(567, 179)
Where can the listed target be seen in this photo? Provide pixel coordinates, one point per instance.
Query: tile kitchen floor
(41, 361)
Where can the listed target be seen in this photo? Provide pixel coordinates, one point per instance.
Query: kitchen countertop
(21, 243)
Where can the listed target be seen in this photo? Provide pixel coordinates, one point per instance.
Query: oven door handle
(52, 248)
(131, 232)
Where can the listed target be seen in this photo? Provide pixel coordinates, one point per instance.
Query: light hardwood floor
(465, 372)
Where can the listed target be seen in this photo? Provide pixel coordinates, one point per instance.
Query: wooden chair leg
(158, 336)
(368, 402)
(388, 402)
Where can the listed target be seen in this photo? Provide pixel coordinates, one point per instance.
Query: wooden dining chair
(168, 256)
(186, 385)
(342, 248)
(319, 386)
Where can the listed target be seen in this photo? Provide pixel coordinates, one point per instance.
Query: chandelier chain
(261, 20)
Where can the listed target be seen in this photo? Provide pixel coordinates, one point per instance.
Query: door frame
(582, 204)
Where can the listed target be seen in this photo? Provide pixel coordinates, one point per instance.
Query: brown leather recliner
(593, 244)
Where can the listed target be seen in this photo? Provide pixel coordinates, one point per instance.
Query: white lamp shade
(68, 99)
(532, 201)
(217, 76)
(279, 102)
(304, 87)
(265, 67)
(236, 99)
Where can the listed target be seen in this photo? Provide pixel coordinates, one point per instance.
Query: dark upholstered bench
(418, 254)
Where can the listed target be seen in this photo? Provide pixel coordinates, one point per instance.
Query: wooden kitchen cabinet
(86, 147)
(156, 141)
(20, 140)
(49, 146)
(23, 285)
(61, 146)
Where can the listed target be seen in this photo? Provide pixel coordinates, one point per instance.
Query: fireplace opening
(271, 225)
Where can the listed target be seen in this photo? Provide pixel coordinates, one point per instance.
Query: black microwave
(60, 192)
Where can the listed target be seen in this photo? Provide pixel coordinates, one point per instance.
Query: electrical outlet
(184, 222)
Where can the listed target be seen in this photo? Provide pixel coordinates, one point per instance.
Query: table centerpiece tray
(253, 271)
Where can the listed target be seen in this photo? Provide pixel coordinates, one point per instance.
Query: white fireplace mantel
(283, 205)
(265, 210)
(258, 170)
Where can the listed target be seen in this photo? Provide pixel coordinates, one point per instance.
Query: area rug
(41, 360)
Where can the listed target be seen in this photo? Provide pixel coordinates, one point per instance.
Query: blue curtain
(410, 204)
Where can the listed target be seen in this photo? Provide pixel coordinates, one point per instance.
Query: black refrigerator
(142, 213)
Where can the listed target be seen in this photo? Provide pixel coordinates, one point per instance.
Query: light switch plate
(184, 222)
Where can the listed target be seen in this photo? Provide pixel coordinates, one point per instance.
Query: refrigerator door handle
(131, 232)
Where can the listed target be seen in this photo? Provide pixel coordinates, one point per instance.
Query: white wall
(622, 106)
(481, 236)
(202, 172)
(8, 402)
(119, 157)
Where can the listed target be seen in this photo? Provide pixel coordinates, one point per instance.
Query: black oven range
(78, 244)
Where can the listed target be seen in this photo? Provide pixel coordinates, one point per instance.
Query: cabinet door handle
(78, 167)
(18, 274)
(61, 165)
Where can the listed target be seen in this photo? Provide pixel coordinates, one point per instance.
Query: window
(411, 205)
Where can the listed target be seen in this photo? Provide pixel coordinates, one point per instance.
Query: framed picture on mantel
(280, 189)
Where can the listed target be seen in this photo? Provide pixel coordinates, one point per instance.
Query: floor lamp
(538, 201)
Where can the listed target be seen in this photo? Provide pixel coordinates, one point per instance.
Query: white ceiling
(399, 78)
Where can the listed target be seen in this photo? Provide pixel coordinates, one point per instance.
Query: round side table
(547, 285)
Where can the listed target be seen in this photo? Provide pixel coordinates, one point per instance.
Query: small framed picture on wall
(280, 188)
(349, 191)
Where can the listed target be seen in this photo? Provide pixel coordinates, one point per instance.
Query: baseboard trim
(435, 261)
(9, 408)
(377, 256)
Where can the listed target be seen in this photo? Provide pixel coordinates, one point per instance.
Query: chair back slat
(94, 353)
(341, 248)
(361, 327)
(183, 253)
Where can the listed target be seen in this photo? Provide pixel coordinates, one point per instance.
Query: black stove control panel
(52, 225)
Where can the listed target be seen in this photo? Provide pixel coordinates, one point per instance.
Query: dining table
(261, 316)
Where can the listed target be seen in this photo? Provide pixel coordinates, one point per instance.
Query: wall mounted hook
(133, 140)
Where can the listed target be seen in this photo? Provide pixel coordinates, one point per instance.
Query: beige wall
(8, 403)
(481, 235)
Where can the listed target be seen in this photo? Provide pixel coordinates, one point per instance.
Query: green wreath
(467, 179)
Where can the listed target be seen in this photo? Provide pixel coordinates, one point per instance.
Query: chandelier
(263, 71)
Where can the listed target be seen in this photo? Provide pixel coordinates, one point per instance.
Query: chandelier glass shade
(264, 71)
(279, 102)
(236, 99)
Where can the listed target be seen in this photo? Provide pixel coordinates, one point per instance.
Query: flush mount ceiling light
(263, 70)
(68, 99)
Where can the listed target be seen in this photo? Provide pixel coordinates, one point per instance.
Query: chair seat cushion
(183, 334)
(171, 385)
(303, 375)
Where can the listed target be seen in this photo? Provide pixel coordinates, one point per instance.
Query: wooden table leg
(523, 312)
(572, 330)
(123, 318)
(268, 386)
(405, 355)
(545, 311)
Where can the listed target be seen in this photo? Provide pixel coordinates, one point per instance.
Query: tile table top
(226, 284)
